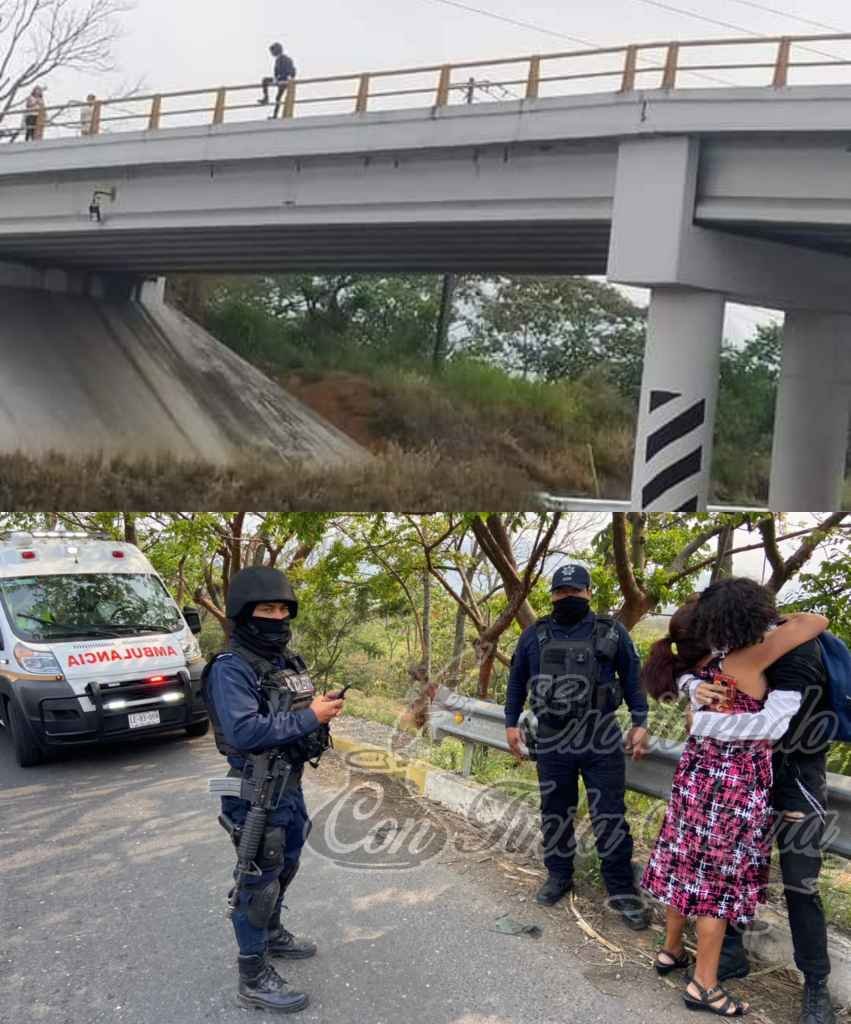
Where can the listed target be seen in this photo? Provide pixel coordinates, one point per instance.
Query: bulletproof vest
(281, 689)
(569, 685)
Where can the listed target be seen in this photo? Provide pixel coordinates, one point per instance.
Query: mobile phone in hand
(342, 694)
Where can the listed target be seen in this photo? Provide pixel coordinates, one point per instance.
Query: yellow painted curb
(377, 759)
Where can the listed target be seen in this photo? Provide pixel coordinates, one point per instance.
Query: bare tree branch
(39, 37)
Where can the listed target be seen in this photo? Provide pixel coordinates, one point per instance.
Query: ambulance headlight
(191, 648)
(37, 663)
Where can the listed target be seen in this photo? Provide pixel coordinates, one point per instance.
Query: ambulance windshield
(44, 608)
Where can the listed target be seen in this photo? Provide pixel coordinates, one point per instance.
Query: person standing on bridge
(261, 699)
(576, 667)
(712, 857)
(34, 114)
(283, 71)
(87, 114)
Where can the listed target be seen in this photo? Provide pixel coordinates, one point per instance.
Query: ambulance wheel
(198, 728)
(27, 751)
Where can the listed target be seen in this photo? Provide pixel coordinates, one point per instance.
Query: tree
(649, 560)
(311, 316)
(745, 420)
(495, 537)
(39, 37)
(555, 327)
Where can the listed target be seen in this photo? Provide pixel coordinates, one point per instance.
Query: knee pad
(258, 903)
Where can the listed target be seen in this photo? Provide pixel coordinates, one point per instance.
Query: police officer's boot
(632, 909)
(734, 961)
(553, 889)
(261, 986)
(816, 1007)
(284, 944)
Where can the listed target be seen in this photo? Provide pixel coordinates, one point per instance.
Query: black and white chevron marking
(673, 452)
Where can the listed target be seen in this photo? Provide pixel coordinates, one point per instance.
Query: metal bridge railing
(554, 503)
(477, 722)
(775, 61)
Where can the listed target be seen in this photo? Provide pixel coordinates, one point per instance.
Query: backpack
(837, 664)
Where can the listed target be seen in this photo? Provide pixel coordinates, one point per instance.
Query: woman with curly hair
(712, 856)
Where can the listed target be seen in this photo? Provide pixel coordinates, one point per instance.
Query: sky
(184, 44)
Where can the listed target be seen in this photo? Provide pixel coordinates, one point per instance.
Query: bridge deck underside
(539, 247)
(533, 247)
(834, 238)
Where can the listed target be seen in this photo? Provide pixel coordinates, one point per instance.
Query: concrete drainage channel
(514, 820)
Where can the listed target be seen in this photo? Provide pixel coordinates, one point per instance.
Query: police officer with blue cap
(576, 667)
(261, 700)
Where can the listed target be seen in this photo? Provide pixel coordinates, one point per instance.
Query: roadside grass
(427, 480)
(644, 813)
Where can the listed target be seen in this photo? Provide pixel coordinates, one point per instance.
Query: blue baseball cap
(575, 576)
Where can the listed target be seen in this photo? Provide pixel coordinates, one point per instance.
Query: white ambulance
(92, 646)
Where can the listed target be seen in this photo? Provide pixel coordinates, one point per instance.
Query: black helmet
(276, 48)
(259, 583)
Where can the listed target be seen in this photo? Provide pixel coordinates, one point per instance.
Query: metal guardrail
(477, 722)
(624, 68)
(553, 503)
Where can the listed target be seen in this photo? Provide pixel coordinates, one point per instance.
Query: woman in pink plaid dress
(712, 856)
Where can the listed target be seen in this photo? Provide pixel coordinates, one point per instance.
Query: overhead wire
(725, 24)
(552, 32)
(788, 14)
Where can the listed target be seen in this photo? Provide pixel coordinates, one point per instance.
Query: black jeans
(800, 790)
(282, 88)
(603, 772)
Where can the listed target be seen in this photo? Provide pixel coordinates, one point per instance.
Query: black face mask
(570, 610)
(266, 637)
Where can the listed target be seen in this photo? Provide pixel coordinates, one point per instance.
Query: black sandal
(708, 997)
(678, 962)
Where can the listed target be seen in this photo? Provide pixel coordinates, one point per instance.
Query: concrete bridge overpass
(702, 194)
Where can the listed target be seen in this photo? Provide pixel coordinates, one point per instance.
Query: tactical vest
(569, 685)
(281, 689)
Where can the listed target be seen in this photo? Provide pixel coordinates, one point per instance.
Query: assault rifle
(263, 789)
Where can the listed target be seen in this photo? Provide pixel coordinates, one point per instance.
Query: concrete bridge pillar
(813, 403)
(679, 395)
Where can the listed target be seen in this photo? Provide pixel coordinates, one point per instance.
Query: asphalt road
(113, 875)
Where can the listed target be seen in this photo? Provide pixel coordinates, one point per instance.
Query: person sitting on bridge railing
(283, 71)
(713, 853)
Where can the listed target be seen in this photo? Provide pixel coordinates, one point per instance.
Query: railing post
(669, 77)
(630, 64)
(363, 95)
(97, 111)
(219, 111)
(156, 110)
(288, 109)
(781, 67)
(442, 97)
(533, 84)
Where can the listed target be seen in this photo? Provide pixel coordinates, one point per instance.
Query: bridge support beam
(811, 424)
(679, 395)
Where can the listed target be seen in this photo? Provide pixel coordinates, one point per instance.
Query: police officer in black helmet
(575, 667)
(243, 688)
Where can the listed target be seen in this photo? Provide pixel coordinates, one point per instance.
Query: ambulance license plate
(144, 718)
